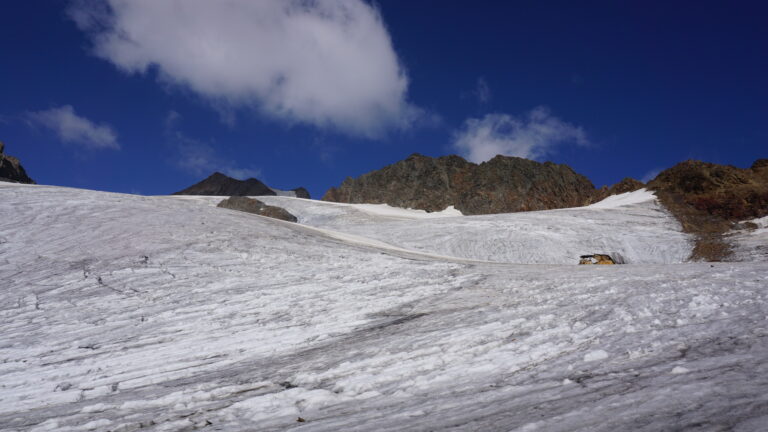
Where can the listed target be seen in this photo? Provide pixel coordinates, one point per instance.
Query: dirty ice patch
(285, 193)
(406, 213)
(291, 403)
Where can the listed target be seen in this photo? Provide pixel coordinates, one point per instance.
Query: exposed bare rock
(11, 169)
(501, 185)
(627, 184)
(760, 164)
(708, 198)
(218, 184)
(301, 192)
(255, 206)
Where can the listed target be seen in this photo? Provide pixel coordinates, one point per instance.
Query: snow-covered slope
(122, 312)
(632, 224)
(750, 244)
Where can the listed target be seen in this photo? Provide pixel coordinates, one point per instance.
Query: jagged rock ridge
(11, 169)
(501, 185)
(218, 184)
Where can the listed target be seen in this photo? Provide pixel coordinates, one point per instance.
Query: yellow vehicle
(603, 259)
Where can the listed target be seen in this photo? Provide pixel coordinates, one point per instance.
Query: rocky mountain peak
(500, 185)
(218, 184)
(11, 169)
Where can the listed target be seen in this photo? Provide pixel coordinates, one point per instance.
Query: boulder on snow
(255, 206)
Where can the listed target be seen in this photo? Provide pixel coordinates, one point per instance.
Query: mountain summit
(218, 184)
(11, 169)
(501, 185)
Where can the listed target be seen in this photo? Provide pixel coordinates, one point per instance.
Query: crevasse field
(123, 313)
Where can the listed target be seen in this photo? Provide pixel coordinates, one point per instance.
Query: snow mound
(628, 198)
(401, 213)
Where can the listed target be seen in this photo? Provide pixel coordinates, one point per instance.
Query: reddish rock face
(11, 169)
(501, 185)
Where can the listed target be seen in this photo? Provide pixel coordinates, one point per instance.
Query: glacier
(124, 312)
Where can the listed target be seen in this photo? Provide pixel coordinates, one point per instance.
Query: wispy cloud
(482, 91)
(532, 136)
(650, 175)
(328, 63)
(199, 157)
(75, 129)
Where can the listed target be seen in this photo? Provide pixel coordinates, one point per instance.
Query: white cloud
(328, 63)
(531, 137)
(72, 128)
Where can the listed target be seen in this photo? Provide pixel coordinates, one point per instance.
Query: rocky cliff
(11, 169)
(218, 184)
(501, 185)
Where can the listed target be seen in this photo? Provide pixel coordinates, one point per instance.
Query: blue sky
(150, 96)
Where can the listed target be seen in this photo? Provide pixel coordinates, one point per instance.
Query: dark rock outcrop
(11, 169)
(218, 184)
(501, 185)
(255, 206)
(708, 198)
(627, 184)
(301, 193)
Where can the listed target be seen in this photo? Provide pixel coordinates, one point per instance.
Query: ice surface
(633, 224)
(750, 244)
(279, 192)
(625, 199)
(122, 312)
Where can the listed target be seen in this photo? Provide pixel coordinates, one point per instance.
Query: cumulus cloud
(72, 128)
(328, 63)
(532, 136)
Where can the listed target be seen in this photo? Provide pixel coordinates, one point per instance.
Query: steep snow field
(751, 245)
(123, 313)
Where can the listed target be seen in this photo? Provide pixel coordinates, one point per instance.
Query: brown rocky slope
(501, 185)
(708, 199)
